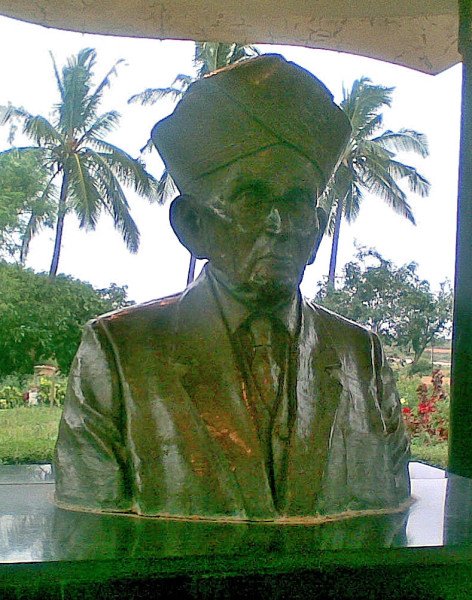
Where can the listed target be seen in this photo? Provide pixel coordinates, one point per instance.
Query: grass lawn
(435, 455)
(28, 434)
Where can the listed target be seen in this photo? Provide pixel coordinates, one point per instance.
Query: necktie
(264, 367)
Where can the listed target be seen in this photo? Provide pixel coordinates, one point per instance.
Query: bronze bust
(237, 399)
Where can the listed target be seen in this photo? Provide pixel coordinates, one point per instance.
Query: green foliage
(369, 162)
(47, 385)
(427, 416)
(407, 387)
(42, 318)
(72, 147)
(392, 301)
(11, 395)
(426, 421)
(28, 435)
(421, 367)
(26, 201)
(14, 390)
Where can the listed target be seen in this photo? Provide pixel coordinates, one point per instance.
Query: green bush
(42, 318)
(13, 389)
(427, 419)
(407, 386)
(422, 367)
(45, 387)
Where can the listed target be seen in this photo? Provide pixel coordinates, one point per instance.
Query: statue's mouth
(276, 259)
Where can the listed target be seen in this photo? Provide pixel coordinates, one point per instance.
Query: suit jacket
(158, 421)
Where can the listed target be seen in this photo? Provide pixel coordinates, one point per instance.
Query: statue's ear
(322, 223)
(186, 221)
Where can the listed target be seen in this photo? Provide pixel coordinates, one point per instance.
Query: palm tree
(208, 57)
(368, 163)
(72, 148)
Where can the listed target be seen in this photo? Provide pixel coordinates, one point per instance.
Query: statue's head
(251, 148)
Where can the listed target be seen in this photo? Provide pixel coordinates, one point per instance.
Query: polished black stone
(26, 474)
(42, 548)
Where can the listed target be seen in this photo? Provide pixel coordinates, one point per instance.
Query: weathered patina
(238, 399)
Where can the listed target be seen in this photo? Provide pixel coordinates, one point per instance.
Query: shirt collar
(237, 312)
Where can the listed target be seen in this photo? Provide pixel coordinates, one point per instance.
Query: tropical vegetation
(369, 163)
(42, 319)
(391, 301)
(72, 150)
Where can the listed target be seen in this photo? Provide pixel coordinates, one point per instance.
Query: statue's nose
(274, 221)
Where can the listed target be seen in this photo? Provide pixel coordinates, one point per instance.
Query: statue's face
(260, 221)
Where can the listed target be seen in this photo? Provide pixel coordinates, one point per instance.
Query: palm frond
(166, 188)
(9, 113)
(183, 81)
(404, 140)
(175, 91)
(103, 124)
(352, 202)
(367, 129)
(130, 171)
(148, 147)
(210, 56)
(95, 98)
(365, 101)
(76, 81)
(57, 76)
(85, 196)
(369, 149)
(152, 95)
(416, 182)
(126, 225)
(380, 182)
(42, 132)
(114, 200)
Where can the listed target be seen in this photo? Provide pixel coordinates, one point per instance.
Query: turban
(244, 108)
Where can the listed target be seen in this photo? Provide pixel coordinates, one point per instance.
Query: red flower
(425, 407)
(406, 410)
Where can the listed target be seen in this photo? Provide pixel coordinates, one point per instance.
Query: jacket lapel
(318, 393)
(214, 383)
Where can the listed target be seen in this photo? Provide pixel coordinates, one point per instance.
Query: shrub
(14, 390)
(428, 419)
(422, 367)
(407, 387)
(42, 318)
(10, 396)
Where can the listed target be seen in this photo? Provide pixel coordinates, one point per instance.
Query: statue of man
(237, 399)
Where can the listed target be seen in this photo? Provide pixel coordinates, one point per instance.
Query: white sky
(423, 102)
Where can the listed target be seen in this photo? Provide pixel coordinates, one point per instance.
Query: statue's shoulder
(143, 315)
(337, 324)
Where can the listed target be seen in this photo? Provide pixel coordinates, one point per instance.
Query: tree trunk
(61, 213)
(25, 240)
(191, 269)
(334, 246)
